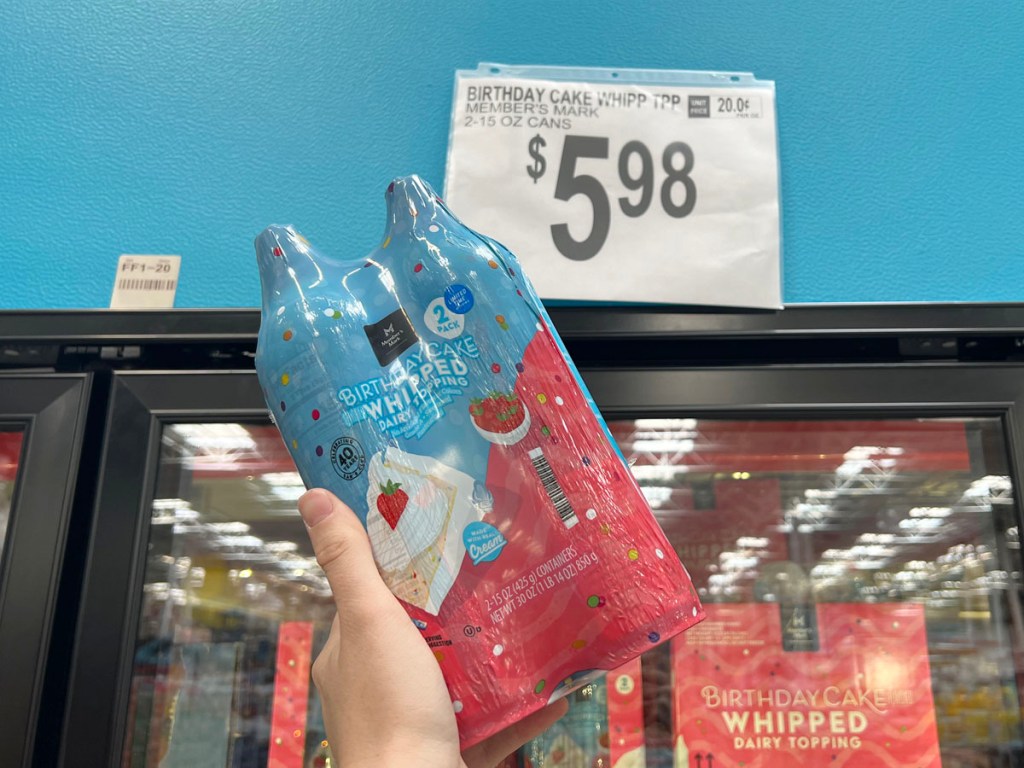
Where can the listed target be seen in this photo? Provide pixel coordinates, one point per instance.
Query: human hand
(384, 700)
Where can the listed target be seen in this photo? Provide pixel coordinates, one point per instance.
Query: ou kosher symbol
(442, 320)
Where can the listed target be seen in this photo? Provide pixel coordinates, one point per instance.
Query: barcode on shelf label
(553, 488)
(137, 284)
(145, 282)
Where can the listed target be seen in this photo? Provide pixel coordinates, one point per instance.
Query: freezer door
(203, 605)
(854, 536)
(42, 420)
(853, 533)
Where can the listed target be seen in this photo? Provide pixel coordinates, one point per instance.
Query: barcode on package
(552, 487)
(137, 284)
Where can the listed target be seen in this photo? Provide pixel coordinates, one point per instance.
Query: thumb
(343, 550)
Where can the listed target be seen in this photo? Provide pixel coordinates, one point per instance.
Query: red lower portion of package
(583, 579)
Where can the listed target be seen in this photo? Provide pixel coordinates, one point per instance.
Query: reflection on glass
(234, 609)
(862, 580)
(10, 452)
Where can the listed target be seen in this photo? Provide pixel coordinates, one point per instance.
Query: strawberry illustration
(499, 412)
(391, 502)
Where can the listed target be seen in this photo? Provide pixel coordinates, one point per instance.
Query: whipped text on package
(412, 397)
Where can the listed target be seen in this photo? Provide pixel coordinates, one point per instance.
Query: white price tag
(635, 186)
(145, 282)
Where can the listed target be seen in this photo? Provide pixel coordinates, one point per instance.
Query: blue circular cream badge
(442, 320)
(483, 542)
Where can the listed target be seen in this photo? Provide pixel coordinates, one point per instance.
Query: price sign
(629, 186)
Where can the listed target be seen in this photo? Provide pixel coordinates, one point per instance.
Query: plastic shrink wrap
(425, 385)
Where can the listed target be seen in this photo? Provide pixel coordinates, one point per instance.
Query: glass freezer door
(860, 579)
(854, 533)
(862, 583)
(203, 606)
(234, 608)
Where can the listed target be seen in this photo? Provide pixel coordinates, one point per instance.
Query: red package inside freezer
(781, 686)
(425, 385)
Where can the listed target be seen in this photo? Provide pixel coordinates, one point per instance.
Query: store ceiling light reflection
(214, 439)
(171, 511)
(879, 517)
(259, 562)
(657, 495)
(287, 486)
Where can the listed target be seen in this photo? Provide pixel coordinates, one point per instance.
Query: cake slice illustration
(418, 509)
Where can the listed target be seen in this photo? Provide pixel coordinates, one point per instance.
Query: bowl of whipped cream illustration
(500, 417)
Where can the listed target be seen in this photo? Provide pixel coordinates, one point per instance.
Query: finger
(343, 551)
(489, 753)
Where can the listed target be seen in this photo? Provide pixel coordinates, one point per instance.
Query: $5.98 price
(677, 191)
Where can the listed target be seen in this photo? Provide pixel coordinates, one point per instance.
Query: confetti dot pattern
(611, 602)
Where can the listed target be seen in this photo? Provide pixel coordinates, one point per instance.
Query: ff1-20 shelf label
(629, 192)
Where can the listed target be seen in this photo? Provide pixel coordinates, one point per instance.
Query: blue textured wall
(185, 126)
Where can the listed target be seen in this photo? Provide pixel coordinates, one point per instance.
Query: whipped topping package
(425, 386)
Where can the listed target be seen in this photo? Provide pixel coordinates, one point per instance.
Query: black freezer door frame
(142, 403)
(52, 410)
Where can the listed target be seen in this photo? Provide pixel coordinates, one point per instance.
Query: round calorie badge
(458, 298)
(443, 321)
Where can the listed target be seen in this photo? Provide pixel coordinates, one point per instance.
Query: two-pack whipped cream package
(425, 386)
